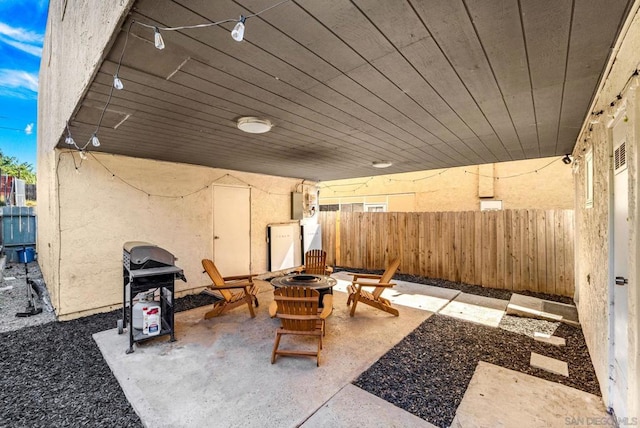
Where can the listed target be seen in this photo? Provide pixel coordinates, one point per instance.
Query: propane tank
(139, 308)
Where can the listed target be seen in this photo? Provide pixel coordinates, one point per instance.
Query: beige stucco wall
(593, 246)
(111, 199)
(77, 35)
(516, 183)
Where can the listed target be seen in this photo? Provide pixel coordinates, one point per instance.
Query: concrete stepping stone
(410, 294)
(533, 402)
(547, 338)
(527, 306)
(477, 309)
(549, 364)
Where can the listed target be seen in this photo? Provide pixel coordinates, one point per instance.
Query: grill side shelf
(140, 273)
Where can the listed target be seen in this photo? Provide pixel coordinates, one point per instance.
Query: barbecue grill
(146, 268)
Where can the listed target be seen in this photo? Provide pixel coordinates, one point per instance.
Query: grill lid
(140, 253)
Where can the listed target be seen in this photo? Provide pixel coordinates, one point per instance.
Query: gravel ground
(53, 373)
(13, 298)
(428, 372)
(434, 364)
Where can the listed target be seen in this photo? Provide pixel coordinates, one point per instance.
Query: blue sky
(22, 27)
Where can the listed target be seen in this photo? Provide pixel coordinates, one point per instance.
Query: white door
(232, 230)
(619, 294)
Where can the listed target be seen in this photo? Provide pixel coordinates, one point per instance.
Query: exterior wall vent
(620, 157)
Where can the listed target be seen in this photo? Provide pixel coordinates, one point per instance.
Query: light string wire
(504, 177)
(414, 180)
(69, 138)
(361, 185)
(210, 24)
(193, 192)
(418, 179)
(585, 134)
(618, 97)
(106, 105)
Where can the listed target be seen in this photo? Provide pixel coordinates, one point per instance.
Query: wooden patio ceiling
(422, 84)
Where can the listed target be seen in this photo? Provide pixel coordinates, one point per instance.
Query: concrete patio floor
(218, 372)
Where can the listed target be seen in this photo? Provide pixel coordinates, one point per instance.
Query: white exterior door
(620, 289)
(232, 230)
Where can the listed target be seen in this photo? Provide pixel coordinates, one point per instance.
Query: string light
(159, 42)
(83, 157)
(117, 83)
(361, 185)
(535, 171)
(618, 97)
(237, 33)
(94, 140)
(596, 115)
(69, 139)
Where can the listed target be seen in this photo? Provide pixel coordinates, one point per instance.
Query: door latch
(621, 280)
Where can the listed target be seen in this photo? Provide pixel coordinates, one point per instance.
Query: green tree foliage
(12, 166)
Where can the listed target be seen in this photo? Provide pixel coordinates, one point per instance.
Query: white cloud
(29, 129)
(30, 49)
(24, 40)
(18, 79)
(20, 34)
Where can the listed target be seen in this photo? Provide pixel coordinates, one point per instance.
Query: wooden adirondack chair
(315, 262)
(298, 313)
(357, 294)
(235, 290)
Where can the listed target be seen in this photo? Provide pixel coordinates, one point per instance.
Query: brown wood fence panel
(510, 249)
(327, 222)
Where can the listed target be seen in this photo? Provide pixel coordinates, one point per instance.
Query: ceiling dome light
(381, 164)
(253, 125)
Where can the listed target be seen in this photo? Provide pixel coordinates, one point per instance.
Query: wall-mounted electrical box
(297, 206)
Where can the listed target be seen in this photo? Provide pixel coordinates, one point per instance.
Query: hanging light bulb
(83, 157)
(117, 83)
(94, 140)
(238, 31)
(69, 139)
(158, 38)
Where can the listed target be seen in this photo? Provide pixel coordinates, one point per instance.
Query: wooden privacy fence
(510, 249)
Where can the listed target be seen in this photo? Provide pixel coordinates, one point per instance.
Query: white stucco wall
(593, 272)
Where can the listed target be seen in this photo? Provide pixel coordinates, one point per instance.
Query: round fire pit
(304, 280)
(323, 283)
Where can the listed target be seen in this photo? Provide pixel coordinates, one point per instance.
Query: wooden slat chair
(375, 299)
(298, 313)
(327, 305)
(236, 290)
(315, 263)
